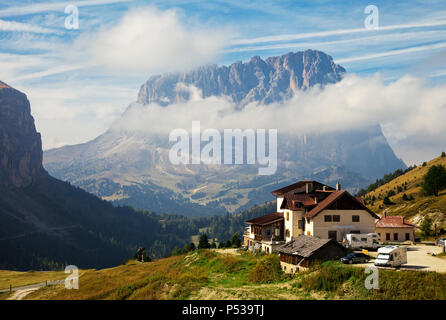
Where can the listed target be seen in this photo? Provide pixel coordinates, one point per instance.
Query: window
(387, 236)
(327, 218)
(268, 232)
(355, 231)
(287, 233)
(395, 236)
(355, 218)
(336, 218)
(407, 236)
(287, 216)
(332, 235)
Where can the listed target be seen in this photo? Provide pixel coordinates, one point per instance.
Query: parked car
(355, 257)
(442, 242)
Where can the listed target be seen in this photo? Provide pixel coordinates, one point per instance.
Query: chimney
(315, 200)
(307, 188)
(338, 186)
(324, 188)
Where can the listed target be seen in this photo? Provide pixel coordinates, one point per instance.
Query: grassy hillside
(225, 274)
(418, 205)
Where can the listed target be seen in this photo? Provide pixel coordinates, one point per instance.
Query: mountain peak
(265, 81)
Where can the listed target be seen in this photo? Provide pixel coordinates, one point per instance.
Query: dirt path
(20, 294)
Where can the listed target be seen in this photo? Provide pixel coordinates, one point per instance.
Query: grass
(217, 274)
(19, 279)
(410, 184)
(349, 282)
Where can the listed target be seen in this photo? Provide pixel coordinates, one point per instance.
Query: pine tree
(426, 226)
(204, 242)
(434, 180)
(236, 241)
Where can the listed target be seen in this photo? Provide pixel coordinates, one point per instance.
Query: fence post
(46, 283)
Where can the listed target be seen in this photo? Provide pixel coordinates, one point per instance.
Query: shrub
(266, 270)
(387, 201)
(330, 277)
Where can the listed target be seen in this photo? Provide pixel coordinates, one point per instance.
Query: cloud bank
(149, 40)
(405, 108)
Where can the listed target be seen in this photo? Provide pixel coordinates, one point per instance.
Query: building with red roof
(395, 229)
(309, 208)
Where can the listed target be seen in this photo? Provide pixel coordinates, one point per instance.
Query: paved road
(21, 292)
(419, 257)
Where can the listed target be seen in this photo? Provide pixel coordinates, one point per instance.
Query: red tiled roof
(267, 219)
(394, 222)
(303, 198)
(3, 85)
(335, 195)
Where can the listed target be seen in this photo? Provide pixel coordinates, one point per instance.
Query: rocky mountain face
(133, 168)
(20, 144)
(49, 224)
(264, 81)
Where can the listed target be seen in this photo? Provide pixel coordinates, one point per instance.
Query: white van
(361, 241)
(391, 256)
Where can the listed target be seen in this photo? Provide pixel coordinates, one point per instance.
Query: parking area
(419, 257)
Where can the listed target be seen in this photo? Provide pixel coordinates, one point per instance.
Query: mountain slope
(228, 275)
(409, 183)
(133, 167)
(46, 223)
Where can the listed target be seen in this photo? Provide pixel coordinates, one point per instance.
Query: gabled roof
(299, 184)
(304, 245)
(394, 222)
(3, 85)
(303, 198)
(266, 219)
(335, 195)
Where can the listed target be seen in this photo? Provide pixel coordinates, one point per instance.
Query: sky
(80, 80)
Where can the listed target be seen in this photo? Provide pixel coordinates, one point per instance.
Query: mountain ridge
(133, 168)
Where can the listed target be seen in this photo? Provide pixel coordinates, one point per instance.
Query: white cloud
(52, 6)
(148, 40)
(405, 108)
(299, 36)
(14, 26)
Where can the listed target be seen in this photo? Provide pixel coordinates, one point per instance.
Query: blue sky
(76, 95)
